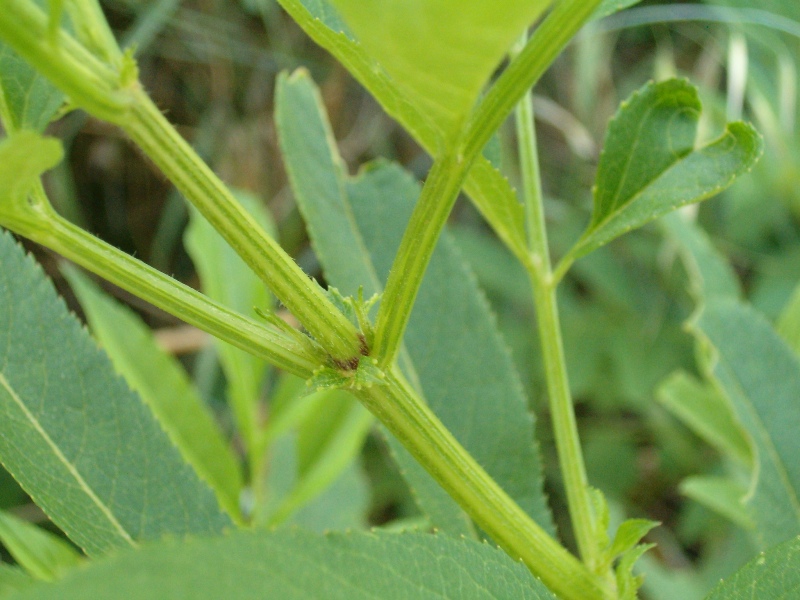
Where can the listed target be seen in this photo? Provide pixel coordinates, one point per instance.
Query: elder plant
(140, 476)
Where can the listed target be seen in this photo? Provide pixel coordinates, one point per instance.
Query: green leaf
(13, 579)
(356, 226)
(27, 99)
(440, 52)
(163, 385)
(485, 184)
(328, 443)
(773, 575)
(629, 534)
(42, 554)
(84, 446)
(707, 412)
(650, 166)
(722, 495)
(710, 274)
(761, 376)
(228, 280)
(24, 156)
(299, 565)
(788, 324)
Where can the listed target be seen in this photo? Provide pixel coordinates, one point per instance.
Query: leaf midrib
(85, 487)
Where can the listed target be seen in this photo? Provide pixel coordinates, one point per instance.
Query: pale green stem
(546, 43)
(412, 422)
(93, 30)
(306, 300)
(108, 94)
(294, 353)
(450, 169)
(562, 411)
(87, 81)
(429, 216)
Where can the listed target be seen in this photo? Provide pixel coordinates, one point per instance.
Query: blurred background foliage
(211, 66)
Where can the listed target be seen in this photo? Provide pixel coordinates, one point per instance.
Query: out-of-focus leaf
(485, 184)
(774, 574)
(788, 324)
(706, 412)
(164, 386)
(609, 7)
(440, 52)
(710, 274)
(27, 99)
(78, 440)
(13, 579)
(41, 553)
(330, 494)
(297, 565)
(24, 156)
(722, 495)
(328, 443)
(650, 166)
(471, 386)
(761, 376)
(228, 280)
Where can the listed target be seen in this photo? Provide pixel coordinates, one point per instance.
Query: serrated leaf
(650, 166)
(722, 495)
(485, 184)
(628, 583)
(227, 279)
(710, 274)
(298, 565)
(761, 376)
(356, 226)
(628, 534)
(440, 52)
(84, 446)
(163, 385)
(42, 554)
(707, 412)
(774, 574)
(27, 99)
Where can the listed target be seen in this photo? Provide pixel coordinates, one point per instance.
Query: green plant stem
(548, 41)
(450, 170)
(87, 81)
(41, 224)
(409, 419)
(195, 180)
(433, 207)
(93, 30)
(562, 411)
